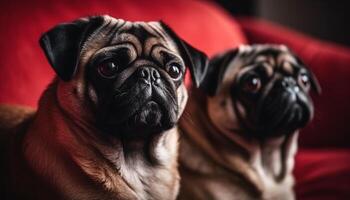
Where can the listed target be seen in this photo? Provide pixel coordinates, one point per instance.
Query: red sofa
(323, 162)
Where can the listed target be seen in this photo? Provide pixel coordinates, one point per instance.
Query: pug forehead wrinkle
(115, 26)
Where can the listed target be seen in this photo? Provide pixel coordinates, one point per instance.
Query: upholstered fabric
(24, 69)
(323, 174)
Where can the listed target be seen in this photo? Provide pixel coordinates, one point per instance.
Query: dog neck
(263, 166)
(70, 151)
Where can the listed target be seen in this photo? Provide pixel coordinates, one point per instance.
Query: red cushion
(24, 71)
(331, 64)
(323, 174)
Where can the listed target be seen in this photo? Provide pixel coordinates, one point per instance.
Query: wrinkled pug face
(133, 71)
(261, 90)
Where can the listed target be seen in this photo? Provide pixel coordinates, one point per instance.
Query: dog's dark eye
(174, 71)
(304, 80)
(108, 69)
(251, 84)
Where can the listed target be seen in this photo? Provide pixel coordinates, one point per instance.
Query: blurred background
(324, 19)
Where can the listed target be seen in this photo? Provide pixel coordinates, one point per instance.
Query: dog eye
(252, 84)
(108, 69)
(174, 71)
(304, 80)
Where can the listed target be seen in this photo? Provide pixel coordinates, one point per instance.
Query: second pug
(240, 129)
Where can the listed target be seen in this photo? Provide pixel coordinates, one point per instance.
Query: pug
(106, 126)
(240, 127)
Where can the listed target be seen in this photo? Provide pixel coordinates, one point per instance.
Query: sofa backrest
(25, 72)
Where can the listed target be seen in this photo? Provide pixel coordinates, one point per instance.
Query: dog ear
(216, 70)
(194, 59)
(62, 44)
(315, 85)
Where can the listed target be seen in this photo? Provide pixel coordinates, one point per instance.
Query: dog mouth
(280, 114)
(145, 110)
(285, 120)
(150, 114)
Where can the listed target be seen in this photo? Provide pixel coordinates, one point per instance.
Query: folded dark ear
(194, 59)
(314, 83)
(62, 45)
(216, 70)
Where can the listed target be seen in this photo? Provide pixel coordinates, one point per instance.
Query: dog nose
(149, 74)
(143, 73)
(290, 86)
(288, 82)
(155, 74)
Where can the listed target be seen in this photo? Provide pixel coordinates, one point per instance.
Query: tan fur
(60, 154)
(219, 162)
(11, 116)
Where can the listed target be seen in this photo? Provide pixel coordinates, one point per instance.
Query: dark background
(325, 19)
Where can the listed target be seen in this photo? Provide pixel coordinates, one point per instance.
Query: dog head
(129, 74)
(260, 89)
